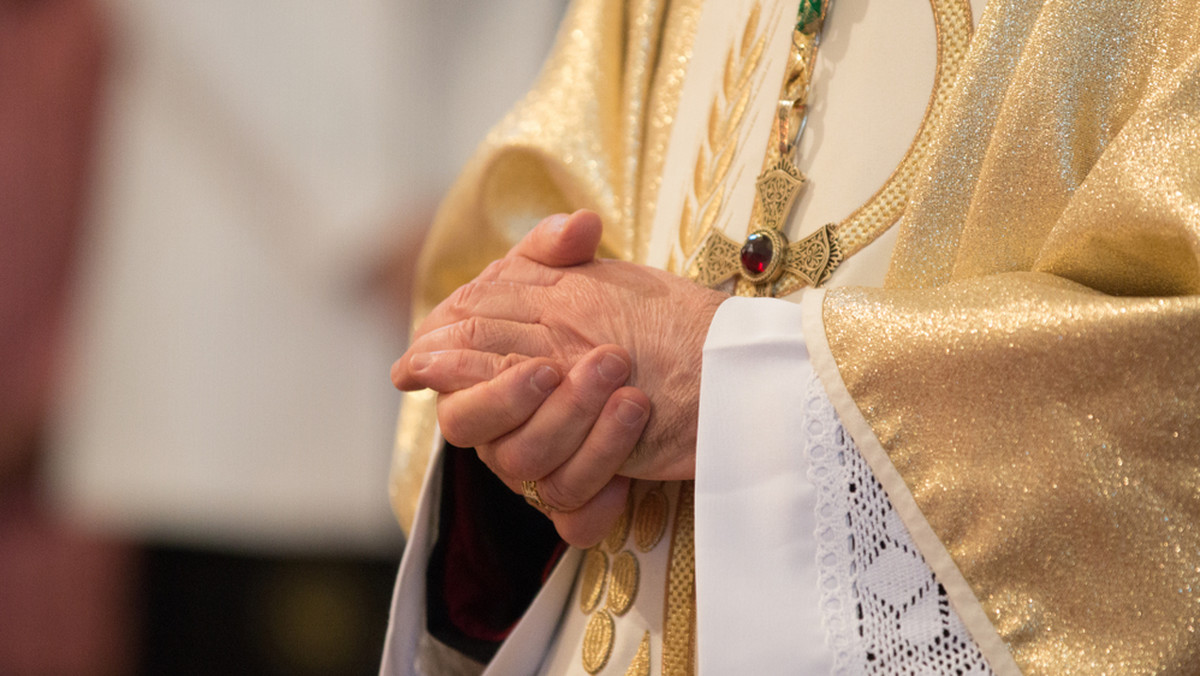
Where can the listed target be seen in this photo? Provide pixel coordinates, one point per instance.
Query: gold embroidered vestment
(1027, 384)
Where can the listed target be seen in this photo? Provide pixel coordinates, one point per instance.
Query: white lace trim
(883, 610)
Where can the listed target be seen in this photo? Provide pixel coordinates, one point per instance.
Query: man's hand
(498, 348)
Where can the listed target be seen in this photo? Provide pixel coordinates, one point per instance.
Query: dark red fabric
(492, 556)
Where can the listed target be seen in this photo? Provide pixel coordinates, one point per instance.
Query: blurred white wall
(260, 161)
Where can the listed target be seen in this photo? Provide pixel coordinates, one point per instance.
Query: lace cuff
(883, 610)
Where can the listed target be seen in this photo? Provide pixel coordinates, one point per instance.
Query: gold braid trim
(679, 634)
(953, 21)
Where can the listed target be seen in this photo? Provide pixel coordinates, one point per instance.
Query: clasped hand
(576, 372)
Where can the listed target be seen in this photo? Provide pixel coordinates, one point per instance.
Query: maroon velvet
(492, 556)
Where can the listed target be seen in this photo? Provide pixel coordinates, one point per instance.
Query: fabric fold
(1031, 367)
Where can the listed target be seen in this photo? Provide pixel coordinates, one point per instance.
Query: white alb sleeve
(757, 596)
(802, 564)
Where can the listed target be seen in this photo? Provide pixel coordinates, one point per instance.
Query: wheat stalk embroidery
(720, 146)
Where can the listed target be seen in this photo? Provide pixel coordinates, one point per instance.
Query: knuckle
(493, 269)
(511, 417)
(500, 269)
(459, 302)
(511, 461)
(483, 334)
(561, 496)
(462, 361)
(468, 330)
(581, 404)
(454, 427)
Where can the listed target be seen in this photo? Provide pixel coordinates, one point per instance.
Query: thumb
(562, 240)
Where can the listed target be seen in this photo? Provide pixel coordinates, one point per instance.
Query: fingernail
(545, 379)
(630, 413)
(612, 368)
(557, 222)
(420, 361)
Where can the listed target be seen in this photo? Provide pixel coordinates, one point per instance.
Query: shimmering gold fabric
(591, 134)
(1032, 369)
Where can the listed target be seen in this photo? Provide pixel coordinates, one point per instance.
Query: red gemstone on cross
(757, 253)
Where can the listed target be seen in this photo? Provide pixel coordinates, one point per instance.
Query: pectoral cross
(766, 264)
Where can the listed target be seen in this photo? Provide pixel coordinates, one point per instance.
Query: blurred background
(209, 214)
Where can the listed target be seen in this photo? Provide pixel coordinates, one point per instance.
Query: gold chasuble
(1026, 386)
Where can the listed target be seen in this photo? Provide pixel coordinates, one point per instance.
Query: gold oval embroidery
(598, 642)
(650, 522)
(622, 582)
(616, 537)
(591, 579)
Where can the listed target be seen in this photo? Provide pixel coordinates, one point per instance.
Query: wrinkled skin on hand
(551, 363)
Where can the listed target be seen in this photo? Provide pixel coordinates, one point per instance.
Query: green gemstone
(810, 16)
